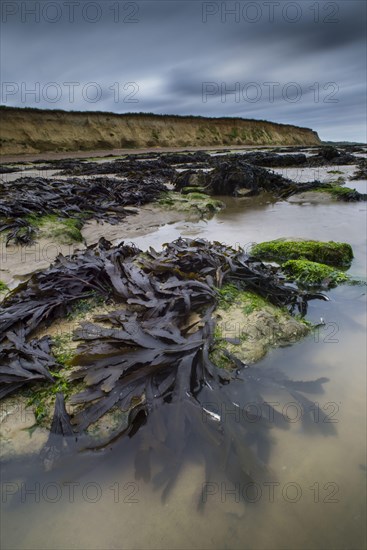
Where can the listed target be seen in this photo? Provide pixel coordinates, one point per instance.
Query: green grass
(329, 253)
(234, 134)
(313, 273)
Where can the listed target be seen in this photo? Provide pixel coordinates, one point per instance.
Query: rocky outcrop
(331, 155)
(232, 176)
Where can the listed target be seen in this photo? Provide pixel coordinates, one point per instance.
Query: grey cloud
(170, 52)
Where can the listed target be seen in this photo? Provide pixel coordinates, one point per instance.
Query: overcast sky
(302, 63)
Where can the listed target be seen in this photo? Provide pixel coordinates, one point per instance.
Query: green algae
(229, 295)
(330, 253)
(313, 273)
(248, 325)
(63, 230)
(3, 287)
(199, 202)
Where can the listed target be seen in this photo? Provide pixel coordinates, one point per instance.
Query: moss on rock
(330, 253)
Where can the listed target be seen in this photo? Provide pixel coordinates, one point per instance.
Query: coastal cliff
(27, 131)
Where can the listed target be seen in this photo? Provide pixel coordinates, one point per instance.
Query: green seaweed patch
(63, 230)
(81, 307)
(62, 349)
(330, 253)
(313, 273)
(217, 352)
(197, 196)
(3, 287)
(199, 202)
(42, 397)
(339, 192)
(248, 325)
(230, 295)
(334, 172)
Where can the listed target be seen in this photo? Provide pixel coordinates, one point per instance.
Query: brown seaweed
(104, 199)
(153, 360)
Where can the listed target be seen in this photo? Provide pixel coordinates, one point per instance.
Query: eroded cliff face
(37, 131)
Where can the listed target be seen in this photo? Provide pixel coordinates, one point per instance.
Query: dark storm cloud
(293, 62)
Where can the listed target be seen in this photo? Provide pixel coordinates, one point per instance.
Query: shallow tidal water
(315, 494)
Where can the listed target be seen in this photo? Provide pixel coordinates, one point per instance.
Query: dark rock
(361, 172)
(189, 178)
(331, 155)
(8, 169)
(229, 177)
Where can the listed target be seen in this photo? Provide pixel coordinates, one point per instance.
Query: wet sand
(6, 159)
(17, 263)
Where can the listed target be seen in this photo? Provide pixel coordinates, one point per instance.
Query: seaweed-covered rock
(189, 178)
(331, 155)
(342, 193)
(248, 325)
(361, 172)
(149, 358)
(26, 200)
(191, 202)
(313, 273)
(281, 250)
(230, 176)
